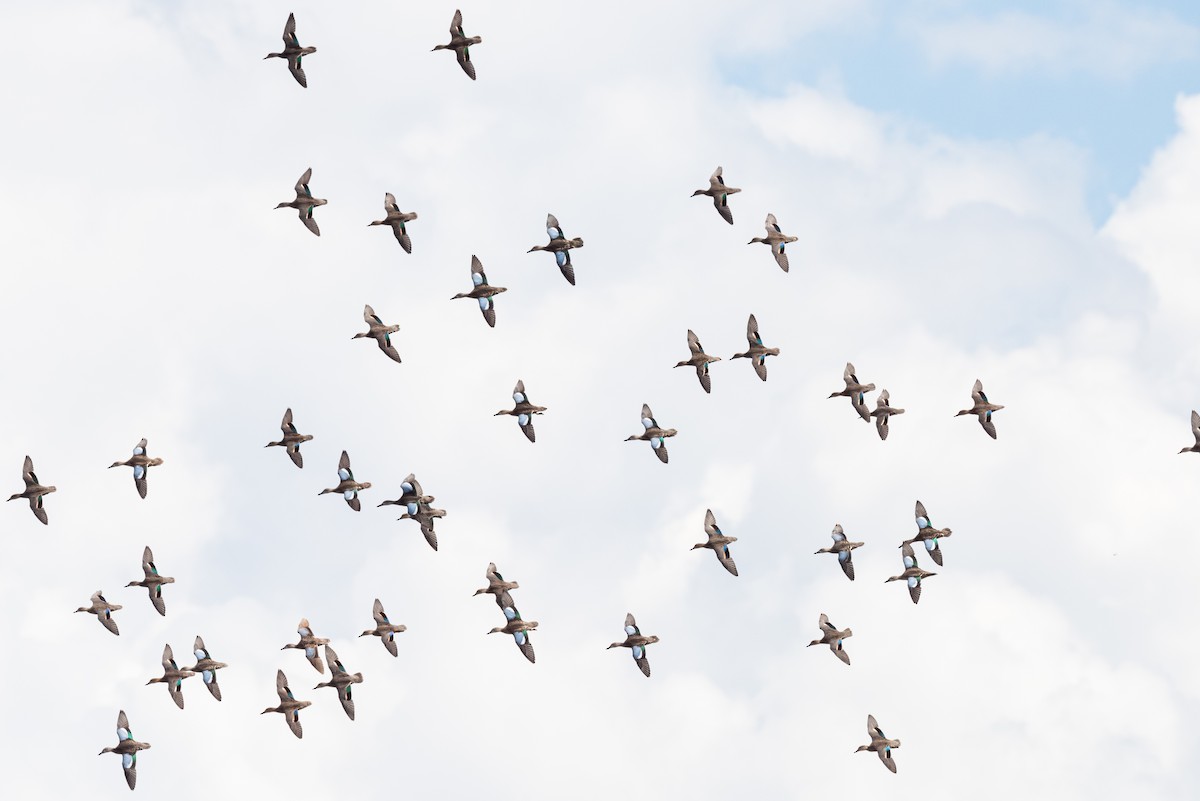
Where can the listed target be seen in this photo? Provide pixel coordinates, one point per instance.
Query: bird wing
(385, 345)
(527, 429)
(294, 66)
(553, 229)
(377, 612)
(643, 663)
(694, 342)
(345, 696)
(123, 732)
(129, 762)
(840, 653)
(847, 565)
(370, 317)
(39, 511)
(661, 451)
(168, 659)
(297, 458)
(563, 259)
(344, 462)
(477, 270)
(781, 258)
(148, 563)
(456, 28)
(27, 473)
(527, 648)
(156, 598)
(710, 523)
(772, 225)
(106, 619)
(631, 623)
(430, 534)
(648, 415)
(389, 203)
(726, 559)
(1196, 425)
(824, 623)
(881, 425)
(286, 426)
(721, 202)
(302, 184)
(752, 334)
(914, 591)
(985, 420)
(489, 312)
(389, 642)
(705, 378)
(289, 32)
(402, 236)
(760, 366)
(464, 60)
(310, 222)
(838, 534)
(293, 721)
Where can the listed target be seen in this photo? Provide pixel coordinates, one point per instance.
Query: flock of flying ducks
(417, 504)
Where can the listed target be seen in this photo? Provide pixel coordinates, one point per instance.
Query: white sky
(151, 290)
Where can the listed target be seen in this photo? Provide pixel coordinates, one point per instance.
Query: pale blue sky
(1117, 118)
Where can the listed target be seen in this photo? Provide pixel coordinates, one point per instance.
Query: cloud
(157, 293)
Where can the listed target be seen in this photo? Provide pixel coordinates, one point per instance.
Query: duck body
(778, 241)
(519, 629)
(498, 587)
(636, 642)
(206, 668)
(757, 353)
(412, 495)
(880, 744)
(380, 332)
(347, 487)
(293, 52)
(460, 43)
(843, 548)
(654, 434)
(913, 574)
(141, 464)
(561, 247)
(483, 292)
(128, 748)
(523, 410)
(341, 680)
(292, 439)
(699, 360)
(153, 582)
(384, 629)
(305, 203)
(103, 610)
(831, 636)
(172, 676)
(883, 412)
(717, 542)
(929, 535)
(289, 707)
(395, 219)
(34, 492)
(425, 515)
(856, 391)
(719, 193)
(308, 643)
(983, 408)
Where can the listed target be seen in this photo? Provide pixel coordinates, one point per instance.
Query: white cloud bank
(152, 291)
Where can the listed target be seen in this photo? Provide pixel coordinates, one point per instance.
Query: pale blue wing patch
(518, 397)
(139, 471)
(476, 278)
(519, 637)
(304, 631)
(647, 422)
(656, 442)
(554, 232)
(208, 676)
(913, 581)
(909, 561)
(930, 544)
(127, 761)
(412, 508)
(631, 630)
(200, 655)
(523, 419)
(638, 651)
(561, 258)
(310, 652)
(923, 522)
(139, 451)
(343, 474)
(484, 303)
(838, 536)
(124, 734)
(843, 556)
(510, 613)
(407, 488)
(349, 495)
